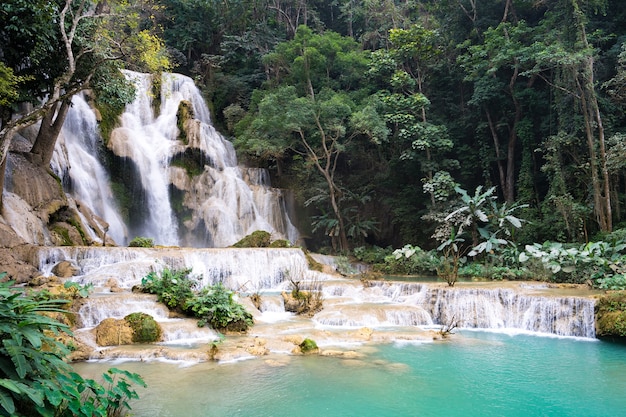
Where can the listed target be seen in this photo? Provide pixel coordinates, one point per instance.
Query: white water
(224, 207)
(76, 161)
(393, 310)
(147, 140)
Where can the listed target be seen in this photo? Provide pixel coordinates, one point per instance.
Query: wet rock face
(35, 186)
(13, 261)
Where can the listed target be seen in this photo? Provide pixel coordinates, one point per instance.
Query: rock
(35, 185)
(65, 269)
(145, 328)
(112, 332)
(16, 268)
(350, 354)
(258, 348)
(113, 285)
(8, 237)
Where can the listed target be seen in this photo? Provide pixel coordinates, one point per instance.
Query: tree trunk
(5, 143)
(593, 120)
(51, 125)
(496, 144)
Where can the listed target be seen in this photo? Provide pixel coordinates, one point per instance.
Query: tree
(567, 51)
(408, 62)
(304, 112)
(496, 66)
(84, 39)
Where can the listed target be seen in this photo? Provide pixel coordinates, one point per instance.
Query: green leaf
(6, 402)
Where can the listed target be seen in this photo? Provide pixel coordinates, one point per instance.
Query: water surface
(476, 374)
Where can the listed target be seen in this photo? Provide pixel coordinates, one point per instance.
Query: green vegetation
(257, 239)
(145, 328)
(35, 380)
(141, 242)
(611, 315)
(308, 346)
(214, 305)
(184, 113)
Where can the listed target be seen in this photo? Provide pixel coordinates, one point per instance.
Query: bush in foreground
(34, 378)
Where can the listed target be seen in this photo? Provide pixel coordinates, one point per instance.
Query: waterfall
(352, 312)
(188, 187)
(485, 308)
(76, 161)
(246, 270)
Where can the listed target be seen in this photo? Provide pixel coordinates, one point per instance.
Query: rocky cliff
(36, 211)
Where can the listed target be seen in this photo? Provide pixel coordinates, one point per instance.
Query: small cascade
(185, 331)
(76, 161)
(500, 308)
(507, 309)
(244, 270)
(119, 306)
(352, 312)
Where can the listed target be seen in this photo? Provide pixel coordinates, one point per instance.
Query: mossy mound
(280, 243)
(309, 346)
(611, 315)
(141, 242)
(184, 113)
(258, 239)
(145, 328)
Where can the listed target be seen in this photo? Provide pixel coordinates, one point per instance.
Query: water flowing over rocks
(352, 313)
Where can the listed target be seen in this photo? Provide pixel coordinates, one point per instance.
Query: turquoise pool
(475, 374)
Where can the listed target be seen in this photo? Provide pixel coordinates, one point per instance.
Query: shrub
(216, 306)
(409, 260)
(213, 305)
(35, 379)
(172, 288)
(600, 264)
(141, 242)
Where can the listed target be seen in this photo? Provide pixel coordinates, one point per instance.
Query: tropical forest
(324, 207)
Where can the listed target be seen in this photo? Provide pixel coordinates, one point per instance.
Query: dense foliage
(214, 305)
(375, 111)
(34, 378)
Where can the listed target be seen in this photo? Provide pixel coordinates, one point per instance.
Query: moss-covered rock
(313, 264)
(258, 239)
(145, 328)
(280, 243)
(184, 113)
(309, 347)
(611, 315)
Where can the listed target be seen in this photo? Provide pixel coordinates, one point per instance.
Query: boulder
(16, 268)
(65, 269)
(35, 185)
(113, 332)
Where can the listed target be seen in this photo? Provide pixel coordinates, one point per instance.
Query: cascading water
(187, 173)
(76, 161)
(392, 309)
